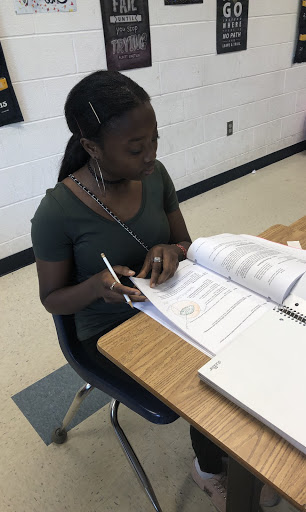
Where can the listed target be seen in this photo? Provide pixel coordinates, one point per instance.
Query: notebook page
(267, 268)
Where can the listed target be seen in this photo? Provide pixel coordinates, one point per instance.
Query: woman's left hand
(163, 261)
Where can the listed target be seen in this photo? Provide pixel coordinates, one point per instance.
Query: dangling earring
(101, 176)
(93, 172)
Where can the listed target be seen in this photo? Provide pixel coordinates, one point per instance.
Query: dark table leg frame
(243, 489)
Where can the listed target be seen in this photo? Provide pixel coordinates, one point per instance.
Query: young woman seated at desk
(110, 160)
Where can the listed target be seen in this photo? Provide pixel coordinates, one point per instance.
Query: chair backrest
(71, 348)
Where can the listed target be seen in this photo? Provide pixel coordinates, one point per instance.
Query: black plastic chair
(117, 384)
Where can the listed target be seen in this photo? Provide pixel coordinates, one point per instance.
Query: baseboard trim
(238, 172)
(26, 257)
(16, 261)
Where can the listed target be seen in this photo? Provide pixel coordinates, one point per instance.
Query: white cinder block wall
(194, 91)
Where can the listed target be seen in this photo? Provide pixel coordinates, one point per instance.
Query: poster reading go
(232, 25)
(126, 33)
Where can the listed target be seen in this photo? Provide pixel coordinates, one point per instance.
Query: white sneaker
(214, 487)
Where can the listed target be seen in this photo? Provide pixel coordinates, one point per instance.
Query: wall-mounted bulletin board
(127, 37)
(232, 25)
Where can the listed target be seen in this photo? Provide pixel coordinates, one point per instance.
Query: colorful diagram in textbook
(186, 309)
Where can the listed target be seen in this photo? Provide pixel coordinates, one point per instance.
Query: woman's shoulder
(51, 235)
(160, 168)
(166, 187)
(56, 194)
(52, 204)
(160, 174)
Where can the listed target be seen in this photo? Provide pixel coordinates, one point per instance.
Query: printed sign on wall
(126, 33)
(182, 2)
(33, 6)
(9, 108)
(300, 53)
(232, 25)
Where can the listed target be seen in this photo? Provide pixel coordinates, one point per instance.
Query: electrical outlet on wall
(230, 128)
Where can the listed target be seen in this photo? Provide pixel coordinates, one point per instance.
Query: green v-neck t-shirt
(64, 227)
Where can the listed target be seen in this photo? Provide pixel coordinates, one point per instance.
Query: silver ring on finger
(112, 285)
(157, 259)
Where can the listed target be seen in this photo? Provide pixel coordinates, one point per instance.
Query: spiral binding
(292, 314)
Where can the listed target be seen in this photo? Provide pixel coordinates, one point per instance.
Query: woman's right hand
(104, 280)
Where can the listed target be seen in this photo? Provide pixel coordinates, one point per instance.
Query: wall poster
(182, 2)
(33, 6)
(300, 54)
(127, 37)
(232, 25)
(9, 108)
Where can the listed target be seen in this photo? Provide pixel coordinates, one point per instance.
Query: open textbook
(225, 285)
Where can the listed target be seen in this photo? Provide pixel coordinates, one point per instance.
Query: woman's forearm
(71, 299)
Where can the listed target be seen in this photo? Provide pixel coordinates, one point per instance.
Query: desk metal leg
(243, 489)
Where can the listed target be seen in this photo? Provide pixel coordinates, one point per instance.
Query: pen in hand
(110, 268)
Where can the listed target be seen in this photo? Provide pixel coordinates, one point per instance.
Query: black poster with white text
(300, 53)
(127, 34)
(9, 108)
(232, 25)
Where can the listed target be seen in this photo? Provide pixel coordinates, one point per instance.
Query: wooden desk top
(282, 234)
(167, 365)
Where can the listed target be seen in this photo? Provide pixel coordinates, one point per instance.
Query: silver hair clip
(95, 112)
